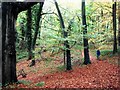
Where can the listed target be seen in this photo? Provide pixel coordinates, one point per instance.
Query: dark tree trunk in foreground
(66, 43)
(85, 40)
(9, 52)
(114, 28)
(9, 16)
(37, 24)
(119, 24)
(29, 33)
(4, 7)
(0, 45)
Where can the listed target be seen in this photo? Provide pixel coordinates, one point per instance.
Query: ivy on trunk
(37, 24)
(29, 33)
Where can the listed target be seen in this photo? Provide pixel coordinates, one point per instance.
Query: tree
(85, 40)
(9, 16)
(67, 54)
(22, 31)
(37, 24)
(0, 46)
(29, 33)
(118, 23)
(114, 27)
(8, 40)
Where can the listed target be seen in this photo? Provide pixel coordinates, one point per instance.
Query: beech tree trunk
(119, 24)
(85, 40)
(114, 28)
(0, 45)
(67, 53)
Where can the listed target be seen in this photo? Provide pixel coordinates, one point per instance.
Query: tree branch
(22, 6)
(50, 13)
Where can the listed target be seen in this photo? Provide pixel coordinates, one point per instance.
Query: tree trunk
(66, 43)
(0, 45)
(29, 34)
(85, 40)
(37, 24)
(9, 16)
(68, 56)
(114, 28)
(22, 31)
(119, 24)
(4, 9)
(8, 40)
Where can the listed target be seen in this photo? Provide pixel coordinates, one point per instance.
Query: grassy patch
(106, 53)
(48, 61)
(21, 55)
(119, 50)
(34, 70)
(61, 68)
(25, 82)
(40, 84)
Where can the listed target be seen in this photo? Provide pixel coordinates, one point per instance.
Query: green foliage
(25, 82)
(33, 70)
(119, 49)
(40, 84)
(61, 67)
(47, 61)
(106, 52)
(21, 55)
(99, 27)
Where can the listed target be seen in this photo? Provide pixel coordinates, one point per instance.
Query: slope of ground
(99, 74)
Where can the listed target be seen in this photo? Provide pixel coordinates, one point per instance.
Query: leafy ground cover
(45, 74)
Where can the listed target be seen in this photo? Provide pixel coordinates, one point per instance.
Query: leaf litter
(99, 74)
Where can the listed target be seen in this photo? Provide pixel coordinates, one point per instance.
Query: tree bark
(9, 16)
(85, 40)
(8, 40)
(37, 24)
(29, 33)
(119, 24)
(4, 7)
(22, 6)
(0, 45)
(114, 28)
(67, 53)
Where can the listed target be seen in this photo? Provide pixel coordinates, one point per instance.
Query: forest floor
(51, 74)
